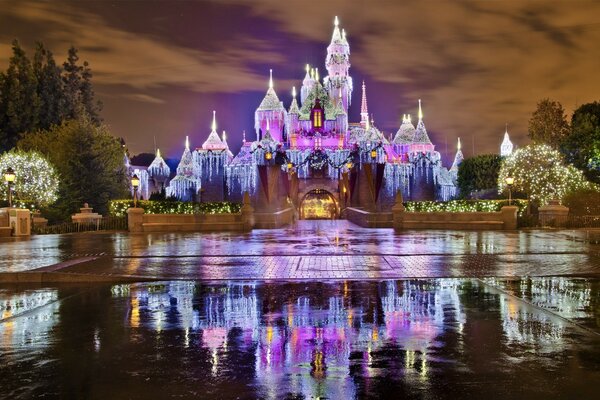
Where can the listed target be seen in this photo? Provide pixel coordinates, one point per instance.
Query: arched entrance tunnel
(319, 204)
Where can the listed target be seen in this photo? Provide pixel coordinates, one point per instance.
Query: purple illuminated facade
(313, 138)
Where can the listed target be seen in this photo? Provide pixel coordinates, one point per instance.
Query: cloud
(142, 62)
(144, 98)
(476, 65)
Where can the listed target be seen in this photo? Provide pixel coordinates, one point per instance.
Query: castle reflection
(305, 341)
(273, 340)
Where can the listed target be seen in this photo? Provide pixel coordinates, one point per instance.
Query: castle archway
(319, 204)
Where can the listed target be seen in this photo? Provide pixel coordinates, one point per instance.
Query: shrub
(119, 208)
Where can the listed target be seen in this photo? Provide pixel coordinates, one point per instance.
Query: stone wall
(140, 222)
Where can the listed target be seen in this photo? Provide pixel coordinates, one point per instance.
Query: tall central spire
(364, 111)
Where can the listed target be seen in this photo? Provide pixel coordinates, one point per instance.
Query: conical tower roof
(421, 135)
(458, 157)
(213, 142)
(158, 167)
(270, 102)
(294, 109)
(406, 132)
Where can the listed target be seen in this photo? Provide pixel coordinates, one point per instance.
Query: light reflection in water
(309, 341)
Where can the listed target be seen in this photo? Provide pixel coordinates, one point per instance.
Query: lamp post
(510, 181)
(135, 183)
(9, 178)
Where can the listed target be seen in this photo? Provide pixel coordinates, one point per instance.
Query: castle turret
(159, 172)
(506, 147)
(337, 63)
(364, 110)
(458, 157)
(186, 183)
(293, 116)
(270, 109)
(421, 142)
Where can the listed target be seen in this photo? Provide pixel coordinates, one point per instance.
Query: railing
(570, 221)
(104, 224)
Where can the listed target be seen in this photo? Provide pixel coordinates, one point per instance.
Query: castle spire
(420, 111)
(213, 126)
(270, 79)
(243, 136)
(458, 157)
(294, 92)
(337, 36)
(364, 111)
(187, 143)
(157, 152)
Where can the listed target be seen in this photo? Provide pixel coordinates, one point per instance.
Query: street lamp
(373, 154)
(268, 155)
(9, 178)
(135, 183)
(510, 181)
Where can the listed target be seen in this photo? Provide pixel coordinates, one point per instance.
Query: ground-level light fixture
(135, 183)
(268, 155)
(9, 178)
(373, 154)
(349, 165)
(510, 181)
(290, 166)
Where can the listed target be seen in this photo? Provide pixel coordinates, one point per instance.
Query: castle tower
(458, 158)
(272, 110)
(211, 160)
(421, 143)
(308, 84)
(337, 63)
(159, 172)
(364, 110)
(293, 118)
(506, 147)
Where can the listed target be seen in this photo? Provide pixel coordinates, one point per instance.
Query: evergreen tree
(478, 173)
(91, 106)
(72, 84)
(20, 103)
(582, 146)
(89, 161)
(50, 88)
(548, 124)
(78, 89)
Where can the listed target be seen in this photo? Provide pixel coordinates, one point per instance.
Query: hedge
(118, 208)
(464, 206)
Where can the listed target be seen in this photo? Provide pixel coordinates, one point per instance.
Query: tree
(540, 172)
(548, 124)
(582, 146)
(89, 160)
(478, 173)
(19, 101)
(37, 95)
(49, 88)
(36, 179)
(78, 89)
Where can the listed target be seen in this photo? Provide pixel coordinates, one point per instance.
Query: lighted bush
(119, 207)
(464, 206)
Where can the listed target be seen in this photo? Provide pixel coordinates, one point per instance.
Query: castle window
(317, 119)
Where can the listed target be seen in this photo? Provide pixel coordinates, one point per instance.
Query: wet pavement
(321, 310)
(415, 339)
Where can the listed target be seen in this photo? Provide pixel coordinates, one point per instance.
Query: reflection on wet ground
(429, 339)
(304, 238)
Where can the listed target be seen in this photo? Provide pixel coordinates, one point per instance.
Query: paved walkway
(310, 250)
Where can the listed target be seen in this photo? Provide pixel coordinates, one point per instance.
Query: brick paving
(311, 250)
(343, 267)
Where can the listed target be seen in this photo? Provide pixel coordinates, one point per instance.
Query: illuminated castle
(313, 142)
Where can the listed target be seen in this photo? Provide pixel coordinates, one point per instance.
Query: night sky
(161, 67)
